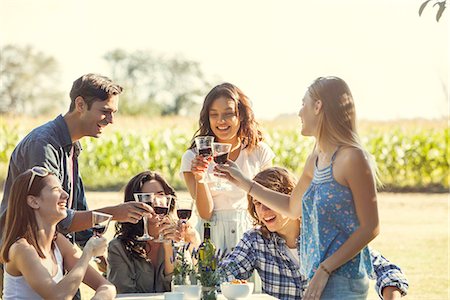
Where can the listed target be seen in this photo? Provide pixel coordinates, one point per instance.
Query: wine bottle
(207, 251)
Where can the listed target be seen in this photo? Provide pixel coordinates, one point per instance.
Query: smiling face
(224, 120)
(98, 116)
(52, 200)
(274, 221)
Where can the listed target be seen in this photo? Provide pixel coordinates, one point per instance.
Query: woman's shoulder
(21, 245)
(350, 154)
(189, 154)
(263, 146)
(254, 234)
(20, 249)
(115, 244)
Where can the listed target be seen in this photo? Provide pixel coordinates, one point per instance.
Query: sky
(395, 62)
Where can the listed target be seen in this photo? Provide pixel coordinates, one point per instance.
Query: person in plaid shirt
(271, 249)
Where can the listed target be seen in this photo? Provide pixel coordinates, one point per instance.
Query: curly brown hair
(277, 179)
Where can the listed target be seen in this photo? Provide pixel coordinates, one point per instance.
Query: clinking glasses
(37, 171)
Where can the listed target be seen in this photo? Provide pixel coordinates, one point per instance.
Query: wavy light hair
(249, 132)
(337, 121)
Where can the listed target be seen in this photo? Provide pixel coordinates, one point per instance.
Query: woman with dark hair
(271, 249)
(146, 267)
(228, 117)
(36, 257)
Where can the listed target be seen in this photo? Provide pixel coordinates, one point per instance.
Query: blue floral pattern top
(329, 218)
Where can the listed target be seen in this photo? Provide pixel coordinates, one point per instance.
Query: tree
(155, 84)
(28, 81)
(441, 3)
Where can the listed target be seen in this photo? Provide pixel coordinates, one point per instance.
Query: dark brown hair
(249, 131)
(127, 232)
(93, 87)
(20, 219)
(277, 179)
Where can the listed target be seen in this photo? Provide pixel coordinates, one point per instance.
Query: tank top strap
(334, 155)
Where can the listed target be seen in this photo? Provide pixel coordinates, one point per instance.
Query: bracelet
(325, 269)
(251, 187)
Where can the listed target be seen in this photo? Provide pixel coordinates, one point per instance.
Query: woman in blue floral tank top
(336, 195)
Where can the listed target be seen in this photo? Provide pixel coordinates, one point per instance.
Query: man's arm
(391, 282)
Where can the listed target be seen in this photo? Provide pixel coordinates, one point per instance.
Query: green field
(411, 155)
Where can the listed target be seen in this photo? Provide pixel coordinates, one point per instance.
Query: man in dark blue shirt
(55, 146)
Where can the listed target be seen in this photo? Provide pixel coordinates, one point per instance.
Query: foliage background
(411, 155)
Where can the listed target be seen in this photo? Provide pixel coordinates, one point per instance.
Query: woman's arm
(25, 258)
(357, 175)
(391, 282)
(104, 289)
(240, 263)
(290, 206)
(359, 178)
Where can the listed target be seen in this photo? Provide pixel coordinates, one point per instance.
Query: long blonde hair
(337, 122)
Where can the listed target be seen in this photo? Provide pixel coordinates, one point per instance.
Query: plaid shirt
(280, 275)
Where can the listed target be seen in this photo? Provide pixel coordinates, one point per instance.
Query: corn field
(410, 156)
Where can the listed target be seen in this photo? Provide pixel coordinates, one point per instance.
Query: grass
(414, 235)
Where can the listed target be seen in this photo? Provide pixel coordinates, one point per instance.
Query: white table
(161, 297)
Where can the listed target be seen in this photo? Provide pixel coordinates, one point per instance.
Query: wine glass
(220, 155)
(204, 148)
(184, 212)
(148, 199)
(161, 206)
(100, 222)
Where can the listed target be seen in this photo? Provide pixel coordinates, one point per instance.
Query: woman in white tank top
(34, 254)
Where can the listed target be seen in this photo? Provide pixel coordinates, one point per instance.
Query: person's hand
(101, 264)
(391, 293)
(316, 285)
(169, 230)
(199, 165)
(232, 173)
(131, 211)
(105, 292)
(96, 246)
(189, 234)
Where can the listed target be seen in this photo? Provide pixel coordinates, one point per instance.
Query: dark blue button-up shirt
(49, 146)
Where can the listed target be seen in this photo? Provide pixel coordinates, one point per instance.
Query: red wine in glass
(205, 152)
(99, 229)
(160, 210)
(221, 158)
(184, 214)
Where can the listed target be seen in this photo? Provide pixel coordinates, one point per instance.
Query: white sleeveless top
(15, 287)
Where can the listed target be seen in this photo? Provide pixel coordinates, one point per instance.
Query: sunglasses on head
(37, 171)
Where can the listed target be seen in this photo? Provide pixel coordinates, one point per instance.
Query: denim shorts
(340, 287)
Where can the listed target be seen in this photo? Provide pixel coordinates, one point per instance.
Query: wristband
(325, 269)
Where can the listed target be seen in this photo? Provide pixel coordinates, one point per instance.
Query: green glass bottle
(207, 263)
(207, 250)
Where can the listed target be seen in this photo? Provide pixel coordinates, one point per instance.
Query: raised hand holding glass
(148, 199)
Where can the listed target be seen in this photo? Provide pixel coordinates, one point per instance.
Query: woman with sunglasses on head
(227, 116)
(336, 195)
(35, 256)
(146, 266)
(271, 249)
